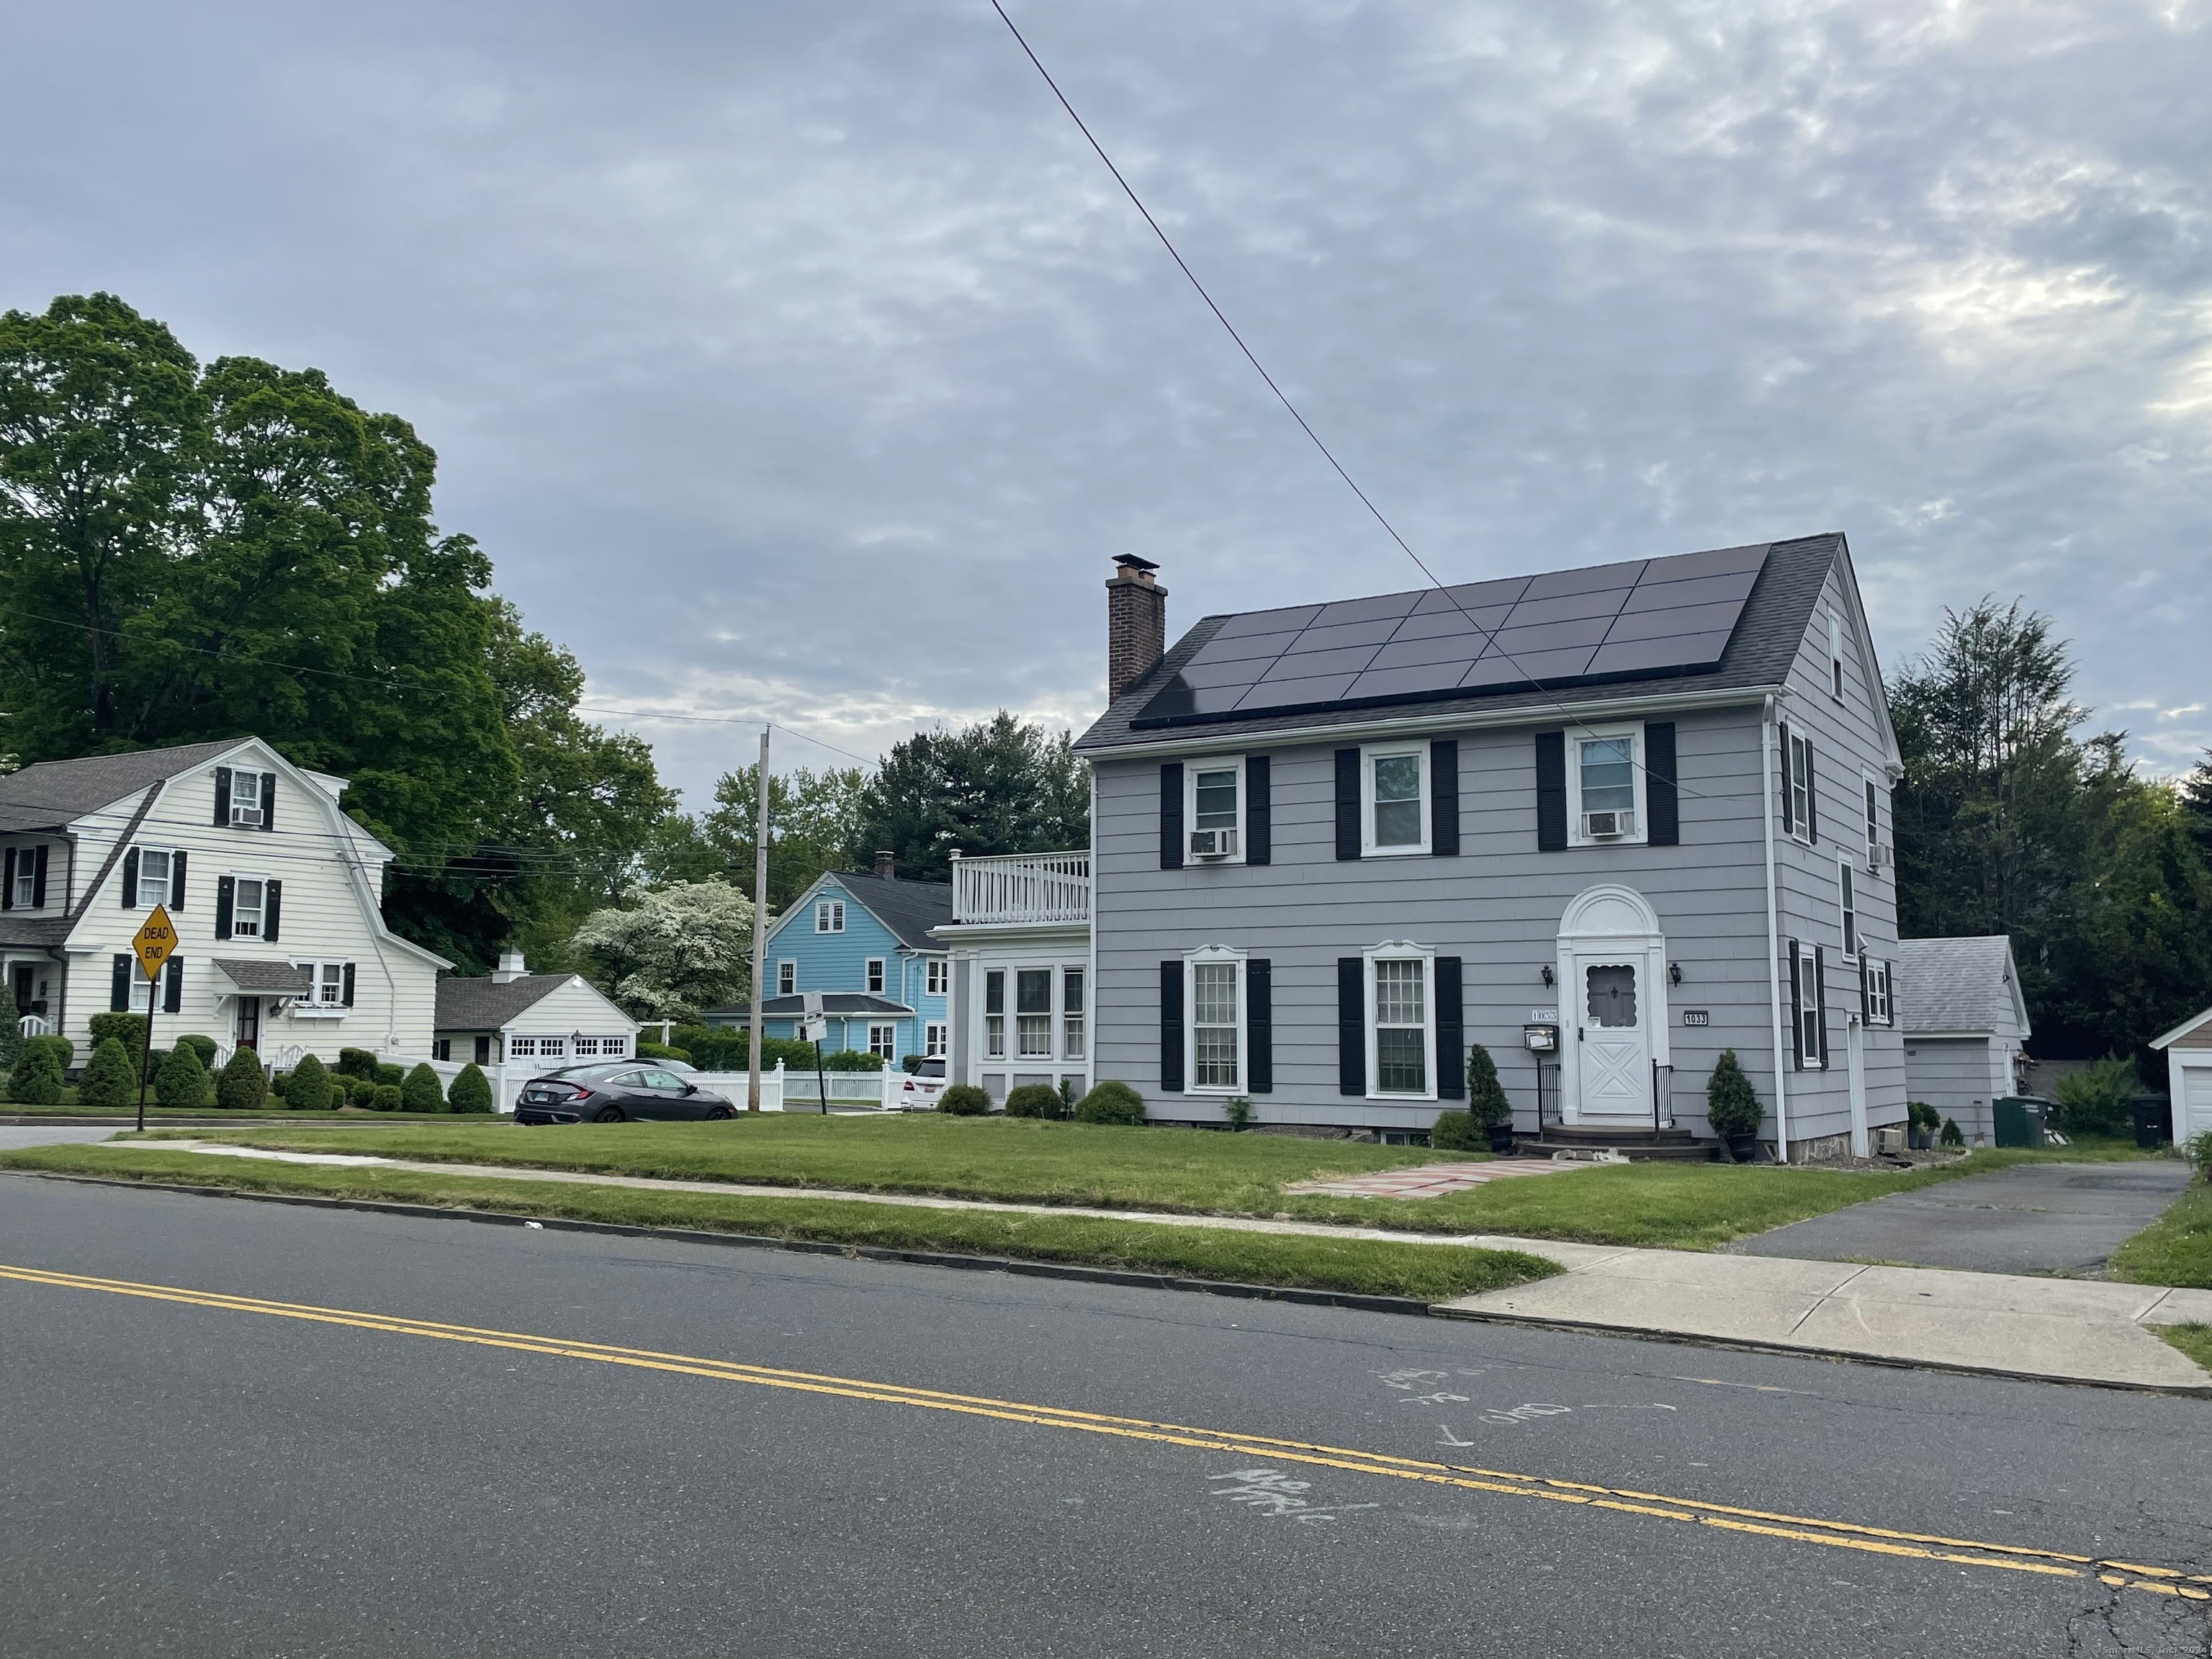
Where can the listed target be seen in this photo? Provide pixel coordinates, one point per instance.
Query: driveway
(13, 1135)
(2036, 1217)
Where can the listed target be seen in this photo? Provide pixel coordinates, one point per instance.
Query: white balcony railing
(1026, 887)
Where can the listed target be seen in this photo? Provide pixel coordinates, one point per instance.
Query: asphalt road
(2034, 1218)
(182, 1478)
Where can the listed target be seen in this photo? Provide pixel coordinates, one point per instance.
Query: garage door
(2194, 1097)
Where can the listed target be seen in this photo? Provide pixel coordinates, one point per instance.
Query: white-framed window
(933, 1045)
(1033, 1013)
(586, 1047)
(1213, 996)
(874, 971)
(1805, 963)
(325, 991)
(1070, 1013)
(1394, 811)
(1213, 810)
(541, 1047)
(994, 1013)
(141, 991)
(249, 904)
(245, 799)
(1872, 827)
(1797, 762)
(883, 1039)
(1881, 1009)
(1847, 904)
(26, 894)
(1835, 656)
(786, 979)
(1605, 785)
(156, 865)
(936, 976)
(828, 916)
(1401, 1025)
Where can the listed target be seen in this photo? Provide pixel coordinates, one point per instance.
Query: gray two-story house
(1605, 822)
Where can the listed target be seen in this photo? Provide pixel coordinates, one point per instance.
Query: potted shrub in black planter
(1485, 1100)
(1732, 1108)
(1922, 1121)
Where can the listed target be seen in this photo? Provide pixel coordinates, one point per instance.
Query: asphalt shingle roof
(48, 795)
(265, 976)
(1759, 653)
(833, 1002)
(490, 1004)
(909, 909)
(1958, 985)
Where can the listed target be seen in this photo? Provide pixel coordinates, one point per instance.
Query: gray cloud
(800, 360)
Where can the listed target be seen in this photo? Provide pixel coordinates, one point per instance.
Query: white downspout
(1767, 737)
(1091, 1023)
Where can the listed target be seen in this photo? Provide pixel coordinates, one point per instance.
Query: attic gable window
(829, 915)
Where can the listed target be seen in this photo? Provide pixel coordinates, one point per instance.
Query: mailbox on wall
(1541, 1039)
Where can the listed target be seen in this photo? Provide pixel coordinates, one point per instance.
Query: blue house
(863, 943)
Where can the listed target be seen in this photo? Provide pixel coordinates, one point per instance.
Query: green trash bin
(2153, 1118)
(2018, 1121)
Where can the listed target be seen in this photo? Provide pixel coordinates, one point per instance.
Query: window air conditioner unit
(1212, 843)
(1880, 855)
(245, 817)
(1609, 826)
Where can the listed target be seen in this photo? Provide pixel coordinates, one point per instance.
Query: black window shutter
(268, 800)
(1259, 812)
(1260, 1024)
(1451, 1031)
(1889, 992)
(8, 882)
(222, 794)
(119, 984)
(131, 879)
(1789, 788)
(1550, 792)
(1659, 800)
(1444, 801)
(347, 1001)
(38, 878)
(1866, 1002)
(272, 909)
(1171, 1025)
(1796, 1013)
(1351, 1023)
(226, 896)
(1171, 841)
(1347, 807)
(1821, 1000)
(172, 985)
(1812, 801)
(176, 881)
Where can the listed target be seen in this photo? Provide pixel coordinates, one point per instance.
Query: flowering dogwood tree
(679, 951)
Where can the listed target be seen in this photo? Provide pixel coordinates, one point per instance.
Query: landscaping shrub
(36, 1077)
(361, 1091)
(1921, 1115)
(714, 1048)
(660, 1051)
(1732, 1105)
(309, 1090)
(11, 1032)
(1032, 1100)
(1953, 1135)
(964, 1100)
(111, 1079)
(240, 1086)
(357, 1062)
(1458, 1131)
(389, 1075)
(63, 1050)
(2094, 1100)
(422, 1091)
(911, 1065)
(1238, 1111)
(280, 1085)
(1067, 1096)
(384, 1097)
(848, 1059)
(471, 1091)
(182, 1081)
(1111, 1103)
(204, 1047)
(1485, 1097)
(129, 1030)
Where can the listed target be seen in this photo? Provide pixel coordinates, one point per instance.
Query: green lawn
(1697, 1206)
(2176, 1248)
(1431, 1272)
(2195, 1340)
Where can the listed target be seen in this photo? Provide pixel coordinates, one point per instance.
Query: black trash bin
(2153, 1117)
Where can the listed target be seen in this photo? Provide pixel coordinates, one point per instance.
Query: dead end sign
(155, 941)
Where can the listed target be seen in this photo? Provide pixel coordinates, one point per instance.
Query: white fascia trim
(2181, 1031)
(1345, 734)
(1869, 666)
(1954, 1036)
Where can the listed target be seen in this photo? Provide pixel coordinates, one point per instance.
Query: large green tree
(1001, 786)
(813, 818)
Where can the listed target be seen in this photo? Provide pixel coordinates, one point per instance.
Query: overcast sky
(800, 361)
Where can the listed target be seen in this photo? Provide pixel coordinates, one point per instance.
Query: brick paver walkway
(1426, 1180)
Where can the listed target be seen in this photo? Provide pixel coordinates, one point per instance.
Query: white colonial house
(274, 892)
(539, 1021)
(1019, 944)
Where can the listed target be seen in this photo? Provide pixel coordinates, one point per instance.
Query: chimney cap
(1131, 562)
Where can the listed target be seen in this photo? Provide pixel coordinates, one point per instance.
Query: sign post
(814, 1026)
(154, 942)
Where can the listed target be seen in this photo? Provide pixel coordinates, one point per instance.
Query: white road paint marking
(1275, 1495)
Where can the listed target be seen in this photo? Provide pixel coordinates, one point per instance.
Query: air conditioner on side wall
(1212, 843)
(245, 817)
(1880, 855)
(1609, 826)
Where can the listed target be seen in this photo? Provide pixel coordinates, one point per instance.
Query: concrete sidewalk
(2009, 1325)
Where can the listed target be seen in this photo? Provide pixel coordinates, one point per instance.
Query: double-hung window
(1216, 1026)
(1070, 1013)
(786, 979)
(1797, 758)
(26, 894)
(875, 975)
(1848, 904)
(1033, 1013)
(1396, 807)
(1873, 827)
(245, 799)
(1217, 810)
(1812, 1022)
(933, 1040)
(326, 990)
(883, 1039)
(829, 915)
(156, 866)
(248, 906)
(934, 976)
(994, 1013)
(1607, 786)
(1400, 1026)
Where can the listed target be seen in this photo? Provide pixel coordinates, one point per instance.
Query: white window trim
(1577, 736)
(1799, 743)
(1848, 932)
(1368, 757)
(936, 1039)
(826, 911)
(879, 970)
(261, 915)
(138, 889)
(1190, 771)
(1836, 680)
(1213, 955)
(1075, 1023)
(890, 1050)
(312, 1006)
(1812, 1018)
(936, 976)
(260, 801)
(1399, 951)
(1870, 789)
(1051, 1015)
(984, 1016)
(782, 965)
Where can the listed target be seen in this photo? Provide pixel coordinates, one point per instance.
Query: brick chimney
(1136, 623)
(886, 865)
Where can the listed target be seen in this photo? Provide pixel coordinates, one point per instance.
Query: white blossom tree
(679, 951)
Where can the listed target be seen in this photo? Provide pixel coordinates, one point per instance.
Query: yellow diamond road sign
(154, 942)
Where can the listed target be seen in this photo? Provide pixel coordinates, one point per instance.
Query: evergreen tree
(110, 1079)
(182, 1081)
(1485, 1097)
(1732, 1105)
(308, 1088)
(241, 1085)
(36, 1077)
(471, 1091)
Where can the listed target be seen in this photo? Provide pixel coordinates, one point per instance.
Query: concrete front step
(1647, 1146)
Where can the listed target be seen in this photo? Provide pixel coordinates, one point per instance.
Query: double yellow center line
(1836, 1534)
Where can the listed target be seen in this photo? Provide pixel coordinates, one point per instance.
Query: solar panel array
(1646, 617)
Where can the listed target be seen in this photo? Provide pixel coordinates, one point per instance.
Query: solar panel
(1640, 617)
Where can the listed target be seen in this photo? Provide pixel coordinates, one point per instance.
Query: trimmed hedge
(308, 1089)
(36, 1077)
(964, 1100)
(204, 1047)
(240, 1086)
(111, 1079)
(422, 1091)
(182, 1081)
(1033, 1100)
(357, 1062)
(359, 1091)
(129, 1030)
(1458, 1131)
(471, 1094)
(1111, 1103)
(384, 1097)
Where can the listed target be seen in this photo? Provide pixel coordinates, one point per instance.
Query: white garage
(2188, 1050)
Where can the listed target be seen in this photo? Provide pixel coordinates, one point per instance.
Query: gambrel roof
(52, 794)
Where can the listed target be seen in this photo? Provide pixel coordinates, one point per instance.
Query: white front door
(1613, 1042)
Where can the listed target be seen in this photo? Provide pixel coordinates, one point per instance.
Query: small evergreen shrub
(422, 1091)
(390, 1076)
(309, 1090)
(1238, 1111)
(182, 1081)
(241, 1085)
(1732, 1105)
(2094, 1101)
(357, 1062)
(2197, 1149)
(850, 1060)
(964, 1100)
(660, 1051)
(1953, 1135)
(11, 1032)
(361, 1091)
(204, 1047)
(280, 1085)
(129, 1030)
(1033, 1100)
(1111, 1103)
(1921, 1115)
(1458, 1131)
(1066, 1097)
(63, 1050)
(36, 1077)
(384, 1097)
(111, 1079)
(1485, 1097)
(471, 1093)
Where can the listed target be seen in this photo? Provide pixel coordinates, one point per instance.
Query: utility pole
(754, 1038)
